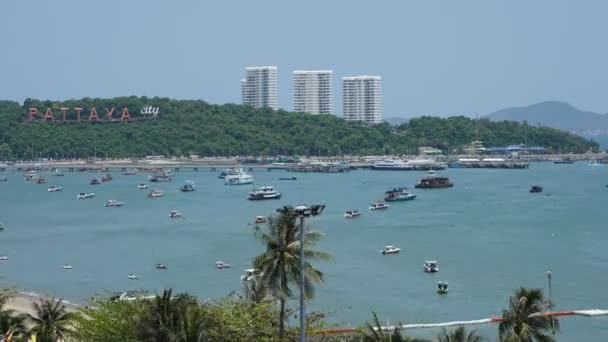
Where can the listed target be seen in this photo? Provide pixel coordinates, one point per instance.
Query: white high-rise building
(259, 87)
(362, 98)
(313, 91)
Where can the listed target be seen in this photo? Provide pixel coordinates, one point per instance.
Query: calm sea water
(488, 233)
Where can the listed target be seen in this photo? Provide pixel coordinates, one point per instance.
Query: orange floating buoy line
(349, 331)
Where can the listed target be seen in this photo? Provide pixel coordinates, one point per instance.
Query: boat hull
(264, 197)
(401, 199)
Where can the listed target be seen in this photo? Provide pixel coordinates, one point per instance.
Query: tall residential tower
(313, 91)
(259, 87)
(362, 98)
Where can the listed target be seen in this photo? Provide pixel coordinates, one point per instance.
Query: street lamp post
(550, 301)
(301, 212)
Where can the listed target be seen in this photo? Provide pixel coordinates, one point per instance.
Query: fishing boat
(390, 250)
(133, 276)
(288, 178)
(106, 178)
(430, 266)
(155, 194)
(221, 265)
(187, 187)
(398, 194)
(352, 213)
(391, 165)
(264, 193)
(114, 204)
(53, 188)
(536, 189)
(142, 186)
(378, 206)
(85, 195)
(260, 219)
(95, 181)
(442, 287)
(40, 180)
(161, 267)
(241, 178)
(175, 214)
(161, 177)
(67, 267)
(432, 181)
(228, 172)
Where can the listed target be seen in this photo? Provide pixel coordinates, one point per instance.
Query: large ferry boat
(228, 172)
(264, 193)
(240, 178)
(432, 181)
(391, 165)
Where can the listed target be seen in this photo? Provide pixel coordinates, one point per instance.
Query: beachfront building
(313, 91)
(362, 99)
(260, 86)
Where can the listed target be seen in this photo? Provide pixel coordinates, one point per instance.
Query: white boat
(3, 179)
(58, 173)
(241, 178)
(352, 213)
(142, 186)
(2, 226)
(264, 193)
(161, 267)
(430, 266)
(129, 173)
(67, 267)
(175, 214)
(228, 172)
(114, 204)
(3, 257)
(166, 176)
(391, 165)
(85, 195)
(155, 194)
(390, 250)
(595, 162)
(260, 219)
(133, 276)
(55, 188)
(378, 206)
(442, 287)
(188, 186)
(222, 265)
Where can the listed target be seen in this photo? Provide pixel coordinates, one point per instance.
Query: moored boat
(398, 194)
(132, 276)
(161, 267)
(114, 204)
(129, 173)
(442, 287)
(3, 179)
(260, 219)
(95, 181)
(264, 193)
(241, 178)
(142, 186)
(106, 178)
(67, 267)
(58, 173)
(228, 172)
(2, 226)
(161, 177)
(53, 188)
(3, 258)
(156, 194)
(222, 265)
(85, 195)
(378, 206)
(432, 181)
(288, 178)
(536, 189)
(391, 165)
(390, 250)
(40, 180)
(352, 213)
(187, 187)
(430, 266)
(563, 161)
(175, 214)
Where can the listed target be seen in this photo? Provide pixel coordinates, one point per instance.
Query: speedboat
(260, 219)
(85, 195)
(95, 181)
(155, 194)
(133, 276)
(67, 267)
(40, 180)
(264, 193)
(53, 188)
(114, 204)
(3, 258)
(175, 214)
(221, 265)
(442, 287)
(106, 178)
(378, 206)
(142, 186)
(390, 250)
(431, 266)
(187, 187)
(399, 194)
(536, 189)
(161, 177)
(161, 267)
(352, 213)
(241, 178)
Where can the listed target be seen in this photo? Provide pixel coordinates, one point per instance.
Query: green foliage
(108, 321)
(373, 332)
(10, 321)
(525, 321)
(459, 334)
(196, 127)
(51, 320)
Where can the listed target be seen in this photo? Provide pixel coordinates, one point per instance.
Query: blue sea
(489, 234)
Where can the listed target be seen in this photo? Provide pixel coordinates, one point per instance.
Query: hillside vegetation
(186, 127)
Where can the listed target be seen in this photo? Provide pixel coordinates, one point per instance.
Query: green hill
(195, 127)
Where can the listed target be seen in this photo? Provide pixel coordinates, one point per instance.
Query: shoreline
(22, 301)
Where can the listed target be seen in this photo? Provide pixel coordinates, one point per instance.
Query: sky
(435, 57)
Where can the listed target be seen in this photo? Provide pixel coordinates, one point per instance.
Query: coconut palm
(51, 320)
(163, 319)
(279, 265)
(11, 323)
(525, 320)
(373, 332)
(459, 334)
(255, 291)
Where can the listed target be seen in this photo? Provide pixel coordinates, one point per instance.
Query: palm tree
(373, 332)
(255, 291)
(51, 320)
(10, 321)
(525, 320)
(279, 265)
(164, 318)
(459, 334)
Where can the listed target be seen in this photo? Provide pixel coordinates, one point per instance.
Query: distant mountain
(554, 114)
(395, 120)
